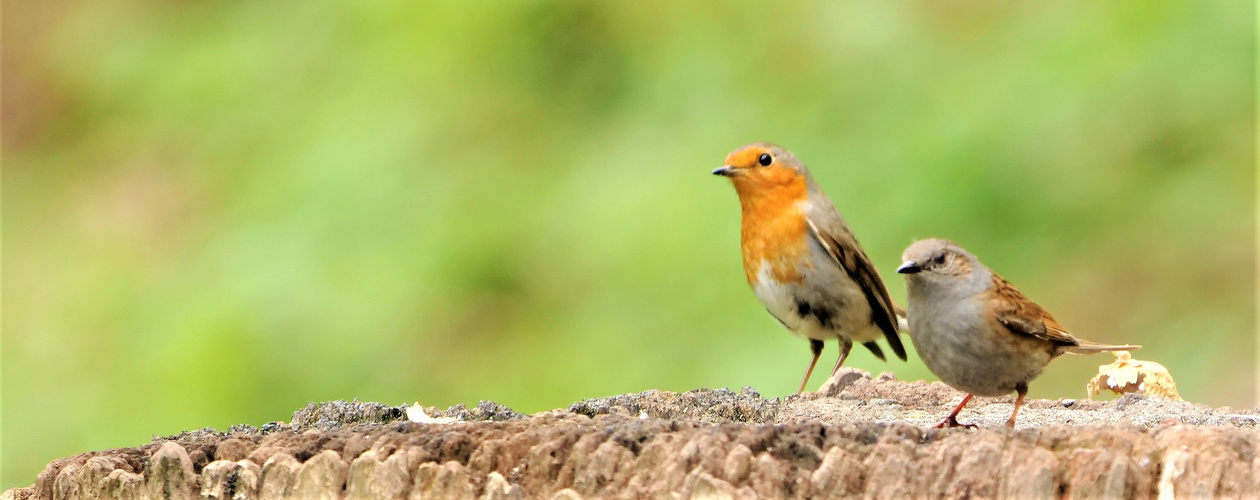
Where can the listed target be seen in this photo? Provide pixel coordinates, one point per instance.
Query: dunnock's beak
(909, 267)
(724, 171)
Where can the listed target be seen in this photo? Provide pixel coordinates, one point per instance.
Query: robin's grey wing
(832, 234)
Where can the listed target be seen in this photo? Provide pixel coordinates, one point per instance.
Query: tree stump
(857, 436)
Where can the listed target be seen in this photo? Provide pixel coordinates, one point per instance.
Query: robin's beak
(725, 171)
(909, 267)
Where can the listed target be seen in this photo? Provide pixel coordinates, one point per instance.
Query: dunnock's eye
(939, 258)
(765, 159)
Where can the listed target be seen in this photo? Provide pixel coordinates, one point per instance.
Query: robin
(801, 259)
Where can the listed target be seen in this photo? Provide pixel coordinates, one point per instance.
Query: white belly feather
(825, 287)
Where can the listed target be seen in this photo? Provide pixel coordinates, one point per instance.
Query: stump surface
(857, 436)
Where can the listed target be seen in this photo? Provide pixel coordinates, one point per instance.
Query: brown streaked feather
(1023, 316)
(1020, 315)
(835, 237)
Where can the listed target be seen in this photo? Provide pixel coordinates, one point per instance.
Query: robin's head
(761, 166)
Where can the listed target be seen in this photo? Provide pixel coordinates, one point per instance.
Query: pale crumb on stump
(1127, 375)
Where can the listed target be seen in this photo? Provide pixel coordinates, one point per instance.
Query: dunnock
(974, 330)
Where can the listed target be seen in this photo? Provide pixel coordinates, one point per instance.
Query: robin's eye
(939, 258)
(765, 159)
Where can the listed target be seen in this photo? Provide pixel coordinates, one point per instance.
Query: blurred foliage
(215, 212)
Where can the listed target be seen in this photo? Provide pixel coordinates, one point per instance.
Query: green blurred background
(215, 212)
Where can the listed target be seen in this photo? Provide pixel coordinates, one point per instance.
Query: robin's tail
(903, 325)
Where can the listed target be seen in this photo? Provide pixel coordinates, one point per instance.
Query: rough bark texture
(857, 436)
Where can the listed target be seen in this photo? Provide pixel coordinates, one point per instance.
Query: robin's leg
(952, 419)
(1022, 389)
(845, 346)
(815, 346)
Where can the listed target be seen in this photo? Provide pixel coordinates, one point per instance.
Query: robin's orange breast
(774, 232)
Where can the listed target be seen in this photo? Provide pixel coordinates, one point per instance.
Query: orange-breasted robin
(801, 259)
